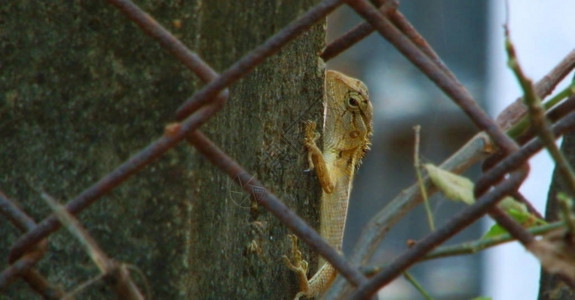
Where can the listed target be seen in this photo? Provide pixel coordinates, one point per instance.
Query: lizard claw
(310, 137)
(297, 264)
(310, 134)
(347, 128)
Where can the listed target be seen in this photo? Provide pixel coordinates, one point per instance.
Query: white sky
(543, 33)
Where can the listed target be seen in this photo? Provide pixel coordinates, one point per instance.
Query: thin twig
(473, 246)
(379, 225)
(515, 111)
(523, 124)
(123, 284)
(417, 286)
(482, 244)
(373, 233)
(538, 119)
(566, 208)
(511, 226)
(454, 225)
(445, 81)
(422, 188)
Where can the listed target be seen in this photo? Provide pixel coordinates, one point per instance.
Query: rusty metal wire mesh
(504, 172)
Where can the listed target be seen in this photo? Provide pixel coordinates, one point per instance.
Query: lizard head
(349, 113)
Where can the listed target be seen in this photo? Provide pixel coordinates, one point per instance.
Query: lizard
(347, 130)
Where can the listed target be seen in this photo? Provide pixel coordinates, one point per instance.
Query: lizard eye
(352, 102)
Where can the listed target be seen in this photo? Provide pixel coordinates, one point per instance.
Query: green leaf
(509, 204)
(494, 231)
(459, 188)
(453, 186)
(518, 211)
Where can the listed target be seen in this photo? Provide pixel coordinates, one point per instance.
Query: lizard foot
(315, 158)
(311, 137)
(297, 264)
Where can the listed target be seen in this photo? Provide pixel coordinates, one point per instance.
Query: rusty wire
(454, 225)
(444, 81)
(25, 265)
(247, 63)
(157, 148)
(206, 102)
(276, 207)
(468, 215)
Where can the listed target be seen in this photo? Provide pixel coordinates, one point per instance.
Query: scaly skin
(346, 132)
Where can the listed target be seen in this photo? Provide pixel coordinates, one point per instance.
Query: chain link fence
(505, 165)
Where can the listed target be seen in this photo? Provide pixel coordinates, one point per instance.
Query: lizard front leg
(347, 129)
(326, 274)
(315, 157)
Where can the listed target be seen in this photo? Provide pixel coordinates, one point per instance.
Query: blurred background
(468, 36)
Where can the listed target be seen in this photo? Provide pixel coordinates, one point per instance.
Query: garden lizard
(347, 131)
